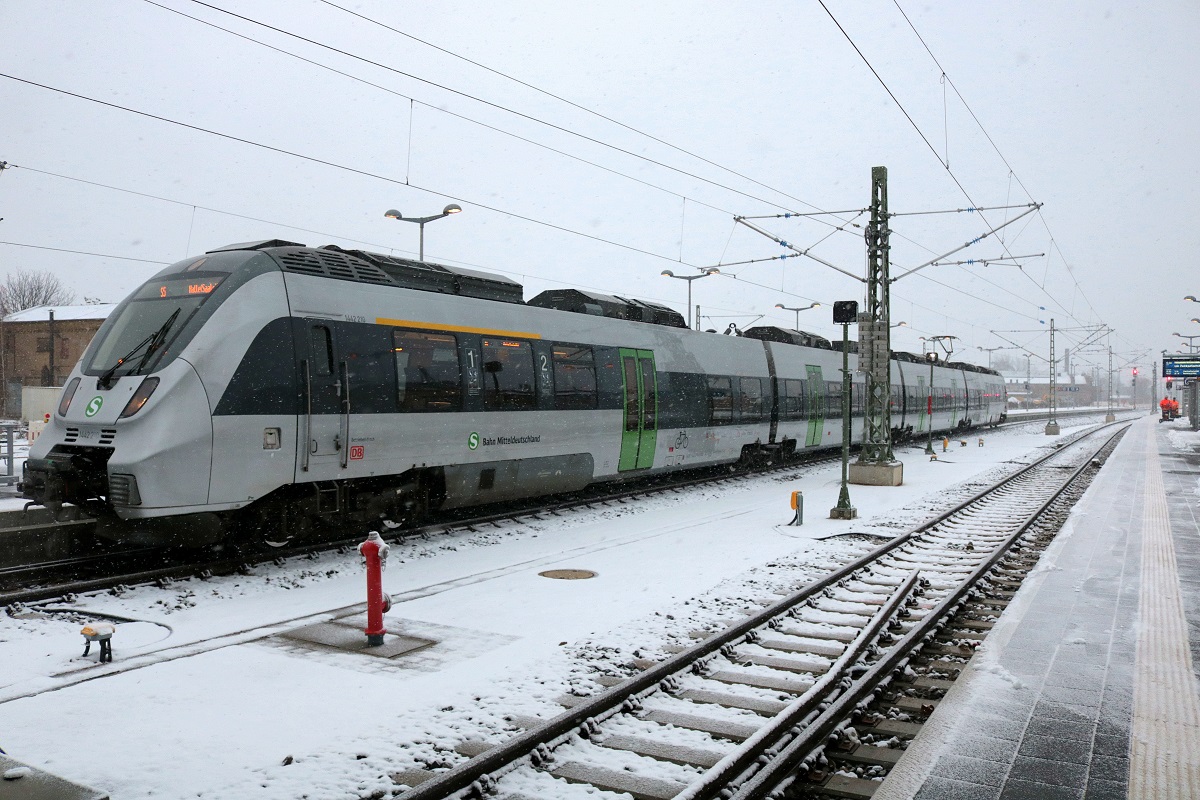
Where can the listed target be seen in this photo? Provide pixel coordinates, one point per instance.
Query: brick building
(42, 346)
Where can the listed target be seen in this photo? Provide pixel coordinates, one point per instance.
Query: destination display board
(1181, 366)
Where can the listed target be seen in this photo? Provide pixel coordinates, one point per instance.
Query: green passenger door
(640, 421)
(816, 407)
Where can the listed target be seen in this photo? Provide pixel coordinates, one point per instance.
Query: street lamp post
(1191, 347)
(797, 310)
(990, 350)
(447, 211)
(704, 273)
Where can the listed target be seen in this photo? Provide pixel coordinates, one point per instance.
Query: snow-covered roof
(42, 313)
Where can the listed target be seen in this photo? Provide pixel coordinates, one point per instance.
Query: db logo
(356, 452)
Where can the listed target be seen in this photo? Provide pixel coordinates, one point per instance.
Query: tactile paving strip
(1165, 747)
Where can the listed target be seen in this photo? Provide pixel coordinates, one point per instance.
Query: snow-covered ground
(205, 698)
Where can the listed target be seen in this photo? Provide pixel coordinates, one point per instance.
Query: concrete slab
(23, 782)
(877, 474)
(346, 635)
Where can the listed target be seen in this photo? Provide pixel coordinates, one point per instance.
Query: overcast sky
(680, 116)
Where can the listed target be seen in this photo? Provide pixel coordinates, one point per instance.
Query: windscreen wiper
(156, 341)
(153, 340)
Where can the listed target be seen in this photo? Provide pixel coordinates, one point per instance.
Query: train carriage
(267, 388)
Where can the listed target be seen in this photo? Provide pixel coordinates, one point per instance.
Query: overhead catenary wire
(557, 279)
(917, 128)
(578, 106)
(413, 102)
(1011, 172)
(343, 167)
(463, 94)
(187, 204)
(673, 258)
(85, 253)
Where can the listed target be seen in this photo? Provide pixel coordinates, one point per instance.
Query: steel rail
(741, 759)
(244, 558)
(814, 736)
(478, 771)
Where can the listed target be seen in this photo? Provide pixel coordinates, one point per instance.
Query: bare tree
(1003, 362)
(28, 289)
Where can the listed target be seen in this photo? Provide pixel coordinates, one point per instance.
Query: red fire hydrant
(374, 553)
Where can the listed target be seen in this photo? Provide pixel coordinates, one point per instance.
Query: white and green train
(266, 389)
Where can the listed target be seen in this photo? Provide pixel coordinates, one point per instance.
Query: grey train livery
(270, 389)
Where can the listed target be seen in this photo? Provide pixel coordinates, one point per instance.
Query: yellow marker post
(798, 507)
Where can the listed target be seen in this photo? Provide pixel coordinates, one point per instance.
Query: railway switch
(374, 552)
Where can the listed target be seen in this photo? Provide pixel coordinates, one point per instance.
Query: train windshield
(139, 336)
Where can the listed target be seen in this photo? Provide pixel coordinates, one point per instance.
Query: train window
(833, 404)
(507, 375)
(650, 393)
(750, 399)
(574, 378)
(720, 401)
(427, 372)
(632, 409)
(793, 401)
(322, 350)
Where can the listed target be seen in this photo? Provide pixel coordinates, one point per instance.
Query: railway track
(75, 564)
(819, 692)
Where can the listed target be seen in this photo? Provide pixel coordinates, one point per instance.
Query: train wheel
(288, 527)
(276, 538)
(273, 524)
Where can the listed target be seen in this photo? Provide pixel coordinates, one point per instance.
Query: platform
(1087, 686)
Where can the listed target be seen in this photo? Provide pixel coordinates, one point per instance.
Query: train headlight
(139, 397)
(68, 396)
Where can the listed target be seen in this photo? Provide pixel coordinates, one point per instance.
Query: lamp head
(392, 213)
(668, 273)
(710, 270)
(1192, 298)
(452, 209)
(815, 305)
(780, 305)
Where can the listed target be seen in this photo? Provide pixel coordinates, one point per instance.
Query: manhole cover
(568, 574)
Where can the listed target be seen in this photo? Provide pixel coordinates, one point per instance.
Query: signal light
(1135, 372)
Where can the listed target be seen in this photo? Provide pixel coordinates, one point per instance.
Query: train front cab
(132, 435)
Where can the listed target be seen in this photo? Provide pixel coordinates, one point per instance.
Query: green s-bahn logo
(472, 440)
(93, 406)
